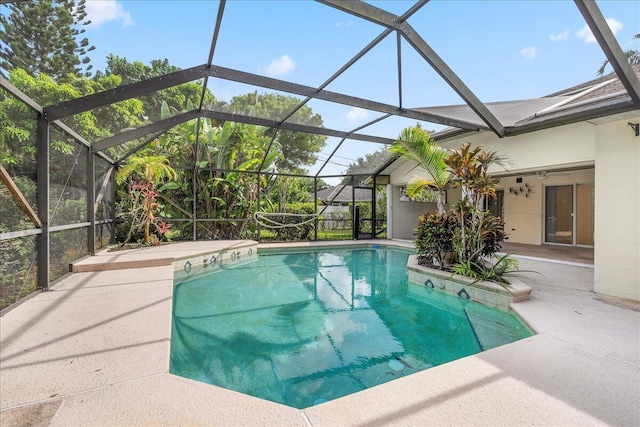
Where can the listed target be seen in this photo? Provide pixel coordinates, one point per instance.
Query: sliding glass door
(558, 214)
(569, 214)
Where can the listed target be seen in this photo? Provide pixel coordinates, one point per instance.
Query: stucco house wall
(405, 218)
(603, 152)
(404, 215)
(524, 212)
(617, 249)
(570, 145)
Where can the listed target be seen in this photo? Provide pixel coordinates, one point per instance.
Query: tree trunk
(147, 226)
(441, 202)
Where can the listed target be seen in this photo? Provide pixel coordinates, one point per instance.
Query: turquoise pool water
(301, 328)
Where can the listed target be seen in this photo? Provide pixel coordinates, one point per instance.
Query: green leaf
(170, 186)
(165, 112)
(248, 164)
(268, 161)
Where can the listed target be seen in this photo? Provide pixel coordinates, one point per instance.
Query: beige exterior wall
(606, 155)
(405, 215)
(571, 145)
(617, 249)
(522, 214)
(524, 211)
(566, 146)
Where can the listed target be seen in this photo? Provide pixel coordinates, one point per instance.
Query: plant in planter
(462, 239)
(470, 167)
(479, 233)
(434, 240)
(492, 273)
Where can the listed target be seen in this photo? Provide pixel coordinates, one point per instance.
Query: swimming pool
(306, 326)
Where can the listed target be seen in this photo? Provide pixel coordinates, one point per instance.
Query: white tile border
(208, 261)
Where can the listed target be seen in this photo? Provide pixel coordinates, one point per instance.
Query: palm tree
(416, 144)
(152, 169)
(633, 57)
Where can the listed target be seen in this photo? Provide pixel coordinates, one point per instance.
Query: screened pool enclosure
(247, 166)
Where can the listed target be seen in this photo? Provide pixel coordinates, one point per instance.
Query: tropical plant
(299, 149)
(470, 168)
(434, 239)
(479, 270)
(415, 143)
(144, 174)
(225, 180)
(467, 234)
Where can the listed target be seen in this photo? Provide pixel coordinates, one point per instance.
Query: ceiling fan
(542, 175)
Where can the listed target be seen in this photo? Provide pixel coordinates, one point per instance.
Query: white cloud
(356, 114)
(224, 93)
(586, 34)
(101, 11)
(344, 24)
(280, 66)
(559, 37)
(529, 52)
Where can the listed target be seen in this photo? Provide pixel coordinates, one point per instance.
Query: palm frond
(150, 168)
(415, 143)
(417, 185)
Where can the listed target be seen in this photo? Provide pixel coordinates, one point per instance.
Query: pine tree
(44, 36)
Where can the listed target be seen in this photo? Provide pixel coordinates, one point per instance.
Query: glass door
(496, 206)
(558, 214)
(569, 214)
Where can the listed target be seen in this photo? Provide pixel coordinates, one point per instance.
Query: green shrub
(493, 273)
(434, 239)
(467, 230)
(297, 227)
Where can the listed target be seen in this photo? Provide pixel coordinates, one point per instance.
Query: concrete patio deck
(95, 351)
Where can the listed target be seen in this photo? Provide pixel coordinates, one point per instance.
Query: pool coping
(538, 380)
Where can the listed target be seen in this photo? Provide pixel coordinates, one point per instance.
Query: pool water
(302, 328)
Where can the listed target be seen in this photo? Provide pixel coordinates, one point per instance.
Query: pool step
(76, 267)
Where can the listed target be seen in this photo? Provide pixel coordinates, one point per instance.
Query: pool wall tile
(488, 293)
(478, 295)
(490, 299)
(457, 287)
(413, 276)
(463, 293)
(503, 302)
(449, 287)
(201, 263)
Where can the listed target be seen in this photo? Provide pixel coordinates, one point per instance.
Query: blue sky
(502, 50)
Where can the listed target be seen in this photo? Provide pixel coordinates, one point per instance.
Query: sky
(502, 50)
